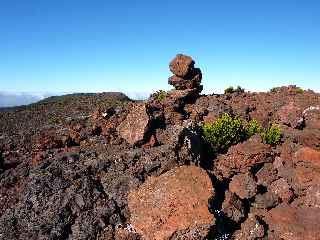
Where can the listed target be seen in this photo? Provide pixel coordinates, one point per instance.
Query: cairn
(186, 76)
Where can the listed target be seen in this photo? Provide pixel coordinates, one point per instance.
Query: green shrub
(252, 128)
(271, 135)
(226, 131)
(159, 95)
(223, 132)
(275, 89)
(299, 90)
(230, 90)
(239, 89)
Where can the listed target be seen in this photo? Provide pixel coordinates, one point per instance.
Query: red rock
(242, 157)
(266, 200)
(312, 117)
(312, 198)
(135, 127)
(307, 154)
(181, 65)
(232, 207)
(174, 201)
(290, 115)
(151, 143)
(193, 80)
(266, 175)
(281, 188)
(290, 223)
(251, 229)
(243, 185)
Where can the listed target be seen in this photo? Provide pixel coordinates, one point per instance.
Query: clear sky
(111, 45)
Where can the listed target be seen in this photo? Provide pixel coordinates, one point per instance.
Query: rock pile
(185, 75)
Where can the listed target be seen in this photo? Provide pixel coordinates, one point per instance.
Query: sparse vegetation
(230, 90)
(159, 95)
(274, 89)
(226, 131)
(299, 90)
(271, 135)
(252, 128)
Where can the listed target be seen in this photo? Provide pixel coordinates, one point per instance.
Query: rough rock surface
(294, 223)
(242, 157)
(135, 127)
(174, 201)
(181, 65)
(243, 185)
(185, 75)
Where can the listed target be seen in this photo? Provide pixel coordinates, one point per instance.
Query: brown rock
(181, 65)
(174, 201)
(308, 155)
(242, 157)
(243, 185)
(191, 81)
(136, 126)
(312, 117)
(125, 234)
(266, 200)
(312, 198)
(251, 229)
(266, 175)
(289, 223)
(232, 207)
(281, 188)
(290, 115)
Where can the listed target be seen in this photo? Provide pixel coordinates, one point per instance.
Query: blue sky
(103, 45)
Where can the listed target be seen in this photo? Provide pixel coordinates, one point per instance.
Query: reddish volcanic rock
(243, 185)
(312, 117)
(181, 65)
(135, 127)
(307, 154)
(242, 157)
(312, 198)
(289, 223)
(232, 207)
(290, 115)
(266, 175)
(281, 188)
(193, 80)
(251, 229)
(174, 201)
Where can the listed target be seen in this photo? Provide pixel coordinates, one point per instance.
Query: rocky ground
(101, 166)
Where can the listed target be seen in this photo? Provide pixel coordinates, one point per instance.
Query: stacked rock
(185, 75)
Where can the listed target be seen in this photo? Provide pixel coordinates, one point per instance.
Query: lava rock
(291, 115)
(281, 188)
(135, 127)
(287, 222)
(181, 65)
(174, 201)
(232, 207)
(243, 185)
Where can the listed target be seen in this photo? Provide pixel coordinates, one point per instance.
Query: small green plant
(226, 131)
(299, 90)
(274, 89)
(230, 90)
(252, 128)
(159, 95)
(223, 132)
(271, 135)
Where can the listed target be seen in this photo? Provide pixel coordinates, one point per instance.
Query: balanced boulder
(185, 75)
